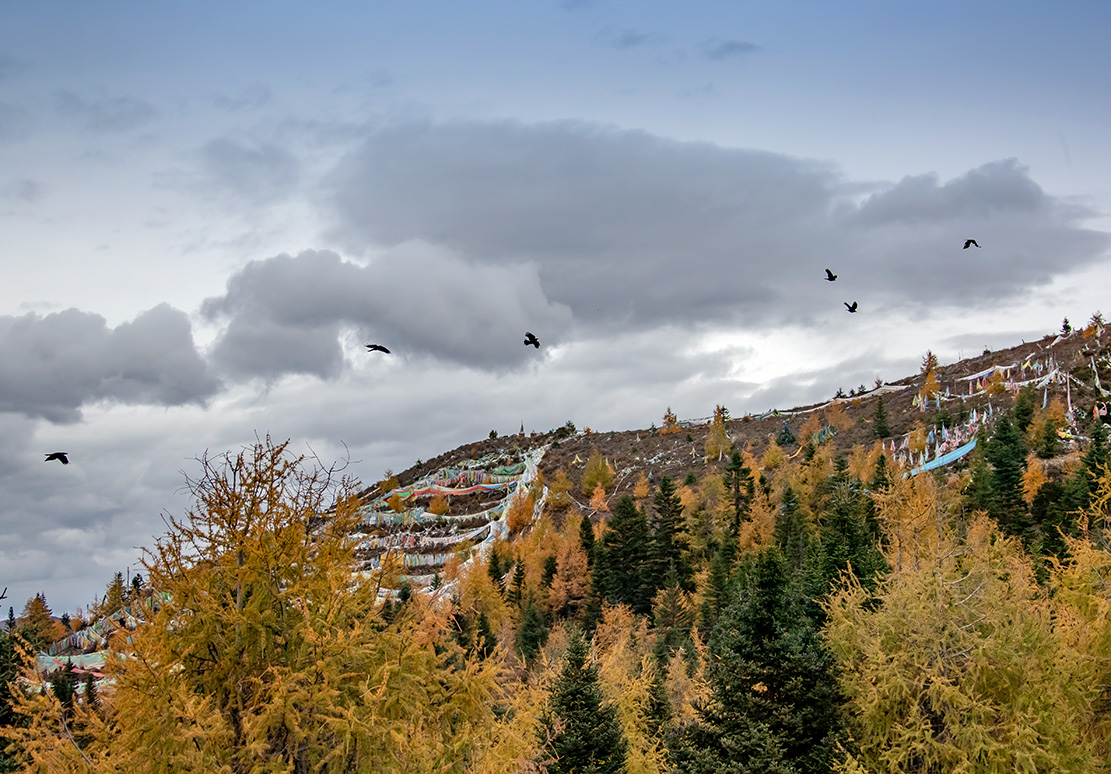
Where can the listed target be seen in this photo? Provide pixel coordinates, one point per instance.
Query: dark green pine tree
(791, 533)
(673, 620)
(1048, 444)
(621, 559)
(532, 633)
(517, 585)
(846, 539)
(484, 640)
(63, 685)
(666, 550)
(879, 484)
(775, 706)
(979, 494)
(551, 567)
(497, 568)
(92, 700)
(879, 421)
(1006, 453)
(1023, 410)
(579, 733)
(586, 538)
(714, 596)
(742, 489)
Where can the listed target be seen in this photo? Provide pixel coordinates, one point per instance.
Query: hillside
(1067, 367)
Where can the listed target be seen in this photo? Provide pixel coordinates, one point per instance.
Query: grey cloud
(997, 187)
(105, 114)
(285, 314)
(716, 49)
(53, 365)
(258, 173)
(24, 190)
(637, 230)
(252, 97)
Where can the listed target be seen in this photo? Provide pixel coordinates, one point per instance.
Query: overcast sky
(208, 209)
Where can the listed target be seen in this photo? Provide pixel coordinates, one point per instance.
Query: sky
(207, 209)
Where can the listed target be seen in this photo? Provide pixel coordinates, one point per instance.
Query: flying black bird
(60, 456)
(530, 339)
(968, 243)
(852, 309)
(376, 348)
(830, 276)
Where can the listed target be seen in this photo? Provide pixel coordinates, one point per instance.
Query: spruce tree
(551, 567)
(791, 533)
(846, 537)
(532, 633)
(586, 538)
(1023, 409)
(668, 539)
(742, 489)
(623, 554)
(774, 705)
(879, 421)
(1006, 453)
(1049, 444)
(517, 585)
(63, 684)
(580, 733)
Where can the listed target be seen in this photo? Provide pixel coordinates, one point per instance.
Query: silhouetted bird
(530, 339)
(60, 456)
(968, 243)
(830, 276)
(852, 309)
(376, 348)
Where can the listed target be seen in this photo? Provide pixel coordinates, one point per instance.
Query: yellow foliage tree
(571, 582)
(1033, 479)
(439, 505)
(559, 490)
(958, 668)
(917, 439)
(596, 471)
(626, 671)
(642, 487)
(671, 423)
(717, 440)
(262, 656)
(519, 514)
(598, 499)
(997, 385)
(773, 456)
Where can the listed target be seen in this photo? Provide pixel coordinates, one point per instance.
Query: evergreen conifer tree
(1006, 453)
(586, 538)
(791, 533)
(580, 733)
(92, 700)
(63, 684)
(532, 633)
(879, 421)
(1023, 409)
(623, 556)
(517, 585)
(668, 539)
(551, 567)
(775, 704)
(1049, 445)
(846, 538)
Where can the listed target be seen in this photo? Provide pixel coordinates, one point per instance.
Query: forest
(809, 612)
